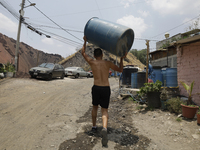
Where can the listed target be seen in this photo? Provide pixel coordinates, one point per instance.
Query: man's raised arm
(87, 58)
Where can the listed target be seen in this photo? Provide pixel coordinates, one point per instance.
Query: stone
(195, 136)
(179, 115)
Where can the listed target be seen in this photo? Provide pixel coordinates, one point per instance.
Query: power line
(55, 22)
(177, 26)
(60, 29)
(10, 9)
(107, 8)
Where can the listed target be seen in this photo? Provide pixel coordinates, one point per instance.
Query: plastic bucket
(114, 38)
(134, 80)
(171, 77)
(153, 99)
(141, 79)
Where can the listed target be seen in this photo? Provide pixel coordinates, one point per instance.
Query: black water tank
(126, 74)
(141, 79)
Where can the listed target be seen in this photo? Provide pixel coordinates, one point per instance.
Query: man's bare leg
(104, 112)
(94, 115)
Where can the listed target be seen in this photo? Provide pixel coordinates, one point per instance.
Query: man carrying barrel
(101, 88)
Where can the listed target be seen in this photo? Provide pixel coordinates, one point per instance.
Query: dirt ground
(56, 115)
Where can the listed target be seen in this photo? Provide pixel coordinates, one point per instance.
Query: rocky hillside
(28, 56)
(78, 60)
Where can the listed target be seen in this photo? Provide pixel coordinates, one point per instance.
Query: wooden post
(147, 62)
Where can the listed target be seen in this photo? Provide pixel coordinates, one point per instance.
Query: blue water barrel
(114, 38)
(134, 80)
(141, 79)
(171, 77)
(156, 74)
(126, 75)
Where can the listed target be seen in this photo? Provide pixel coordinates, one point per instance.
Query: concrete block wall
(172, 62)
(188, 68)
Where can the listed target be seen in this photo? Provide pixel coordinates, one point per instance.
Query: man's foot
(104, 140)
(94, 129)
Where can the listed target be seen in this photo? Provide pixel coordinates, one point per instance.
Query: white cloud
(127, 3)
(48, 41)
(7, 24)
(143, 13)
(175, 6)
(137, 24)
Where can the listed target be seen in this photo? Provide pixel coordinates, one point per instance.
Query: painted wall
(172, 62)
(188, 66)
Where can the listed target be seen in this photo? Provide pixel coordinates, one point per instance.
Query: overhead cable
(177, 26)
(55, 22)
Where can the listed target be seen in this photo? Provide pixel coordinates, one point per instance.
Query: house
(181, 51)
(188, 65)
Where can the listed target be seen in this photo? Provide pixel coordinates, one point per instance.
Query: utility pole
(147, 62)
(18, 37)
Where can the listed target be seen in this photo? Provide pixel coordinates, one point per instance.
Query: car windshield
(47, 65)
(42, 65)
(50, 66)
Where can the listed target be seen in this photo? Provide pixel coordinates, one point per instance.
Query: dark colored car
(48, 71)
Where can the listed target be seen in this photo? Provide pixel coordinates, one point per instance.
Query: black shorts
(101, 96)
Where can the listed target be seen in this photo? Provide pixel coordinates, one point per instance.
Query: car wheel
(77, 75)
(88, 76)
(63, 75)
(50, 77)
(32, 76)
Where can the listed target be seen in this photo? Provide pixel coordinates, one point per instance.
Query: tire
(63, 75)
(32, 76)
(50, 77)
(77, 75)
(88, 76)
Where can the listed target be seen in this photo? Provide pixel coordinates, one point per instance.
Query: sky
(64, 20)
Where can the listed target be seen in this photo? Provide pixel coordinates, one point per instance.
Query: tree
(140, 55)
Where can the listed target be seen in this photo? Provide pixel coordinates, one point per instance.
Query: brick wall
(188, 66)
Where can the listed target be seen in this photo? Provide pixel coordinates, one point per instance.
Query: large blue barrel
(126, 75)
(141, 79)
(171, 77)
(164, 75)
(114, 38)
(156, 74)
(134, 80)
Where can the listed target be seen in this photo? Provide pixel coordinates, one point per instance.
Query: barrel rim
(87, 23)
(132, 39)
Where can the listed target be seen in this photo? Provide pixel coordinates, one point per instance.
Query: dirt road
(56, 115)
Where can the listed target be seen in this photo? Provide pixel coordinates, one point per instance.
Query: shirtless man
(101, 88)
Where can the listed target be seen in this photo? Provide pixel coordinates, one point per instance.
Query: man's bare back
(100, 68)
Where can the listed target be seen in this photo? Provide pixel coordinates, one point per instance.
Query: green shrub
(178, 119)
(174, 105)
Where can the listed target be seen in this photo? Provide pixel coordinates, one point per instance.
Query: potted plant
(152, 91)
(2, 70)
(10, 69)
(188, 109)
(198, 116)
